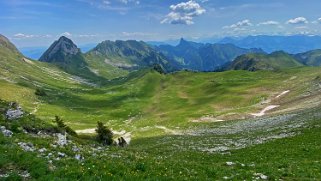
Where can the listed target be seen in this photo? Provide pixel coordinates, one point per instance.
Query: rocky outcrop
(14, 112)
(62, 139)
(122, 142)
(27, 146)
(6, 132)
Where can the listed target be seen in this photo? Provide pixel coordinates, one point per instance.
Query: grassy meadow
(183, 126)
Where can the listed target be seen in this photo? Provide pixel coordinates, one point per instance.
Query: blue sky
(39, 22)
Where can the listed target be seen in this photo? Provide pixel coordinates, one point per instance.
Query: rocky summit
(59, 50)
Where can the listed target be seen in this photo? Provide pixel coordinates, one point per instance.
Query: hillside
(274, 61)
(310, 58)
(202, 57)
(6, 45)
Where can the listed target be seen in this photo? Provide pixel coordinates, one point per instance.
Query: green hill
(310, 58)
(6, 45)
(274, 61)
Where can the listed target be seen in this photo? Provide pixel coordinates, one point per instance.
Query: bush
(104, 135)
(40, 92)
(61, 125)
(159, 69)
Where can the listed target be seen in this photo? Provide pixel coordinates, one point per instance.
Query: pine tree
(104, 135)
(61, 125)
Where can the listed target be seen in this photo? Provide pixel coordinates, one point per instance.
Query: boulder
(5, 132)
(42, 150)
(27, 146)
(14, 112)
(60, 154)
(75, 149)
(79, 157)
(62, 139)
(122, 142)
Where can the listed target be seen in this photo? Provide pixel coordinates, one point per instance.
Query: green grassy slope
(169, 157)
(98, 65)
(274, 61)
(147, 98)
(311, 58)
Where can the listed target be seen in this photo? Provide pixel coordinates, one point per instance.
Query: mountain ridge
(203, 57)
(261, 61)
(270, 43)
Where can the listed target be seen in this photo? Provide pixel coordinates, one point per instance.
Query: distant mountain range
(291, 44)
(203, 57)
(132, 55)
(111, 59)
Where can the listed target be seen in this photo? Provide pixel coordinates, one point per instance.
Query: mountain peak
(65, 39)
(59, 49)
(182, 41)
(188, 44)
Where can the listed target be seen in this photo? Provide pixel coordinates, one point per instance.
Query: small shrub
(40, 92)
(158, 68)
(104, 135)
(62, 126)
(140, 167)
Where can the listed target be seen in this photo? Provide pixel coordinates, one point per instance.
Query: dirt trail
(262, 113)
(283, 93)
(167, 130)
(270, 107)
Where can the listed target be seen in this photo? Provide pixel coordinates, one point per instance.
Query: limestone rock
(6, 132)
(27, 146)
(62, 139)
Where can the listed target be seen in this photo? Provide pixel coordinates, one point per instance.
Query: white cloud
(86, 36)
(239, 25)
(129, 1)
(135, 34)
(298, 20)
(319, 20)
(106, 2)
(269, 23)
(183, 13)
(67, 34)
(23, 36)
